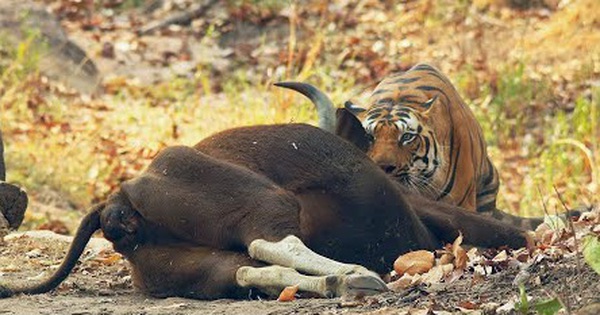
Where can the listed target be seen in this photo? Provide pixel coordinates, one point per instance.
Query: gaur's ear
(350, 128)
(355, 109)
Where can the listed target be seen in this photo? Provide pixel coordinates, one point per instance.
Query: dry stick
(152, 6)
(542, 199)
(545, 213)
(571, 226)
(577, 258)
(178, 18)
(554, 294)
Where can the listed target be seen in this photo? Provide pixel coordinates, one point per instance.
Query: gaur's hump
(296, 136)
(178, 161)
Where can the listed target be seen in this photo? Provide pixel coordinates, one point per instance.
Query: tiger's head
(401, 140)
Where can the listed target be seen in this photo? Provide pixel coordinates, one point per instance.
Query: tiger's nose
(387, 168)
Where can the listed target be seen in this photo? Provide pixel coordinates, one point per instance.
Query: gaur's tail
(325, 108)
(89, 225)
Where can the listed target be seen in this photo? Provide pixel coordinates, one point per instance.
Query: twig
(553, 294)
(178, 18)
(152, 6)
(542, 199)
(571, 226)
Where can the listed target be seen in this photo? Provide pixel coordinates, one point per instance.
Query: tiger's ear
(355, 109)
(350, 128)
(427, 106)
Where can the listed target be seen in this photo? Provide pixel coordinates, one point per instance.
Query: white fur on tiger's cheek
(431, 157)
(419, 164)
(369, 125)
(413, 123)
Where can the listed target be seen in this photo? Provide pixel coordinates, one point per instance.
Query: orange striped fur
(425, 136)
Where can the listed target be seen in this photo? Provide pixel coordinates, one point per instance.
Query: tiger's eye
(407, 138)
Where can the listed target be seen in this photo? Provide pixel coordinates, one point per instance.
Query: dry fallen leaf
(468, 305)
(288, 294)
(501, 257)
(447, 258)
(108, 259)
(415, 262)
(435, 275)
(404, 282)
(590, 216)
(460, 255)
(56, 226)
(454, 275)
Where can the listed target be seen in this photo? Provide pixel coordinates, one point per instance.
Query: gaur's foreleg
(273, 279)
(292, 253)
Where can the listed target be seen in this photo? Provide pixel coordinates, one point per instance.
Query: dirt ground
(101, 284)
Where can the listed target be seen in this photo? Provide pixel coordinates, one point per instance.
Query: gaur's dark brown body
(343, 205)
(186, 223)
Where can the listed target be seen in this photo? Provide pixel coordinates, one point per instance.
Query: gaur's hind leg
(273, 279)
(191, 272)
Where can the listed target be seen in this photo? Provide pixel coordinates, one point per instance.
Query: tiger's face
(402, 143)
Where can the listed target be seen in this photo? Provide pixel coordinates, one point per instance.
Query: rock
(95, 245)
(13, 203)
(34, 253)
(62, 60)
(592, 309)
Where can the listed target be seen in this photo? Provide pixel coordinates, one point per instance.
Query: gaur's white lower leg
(273, 279)
(291, 252)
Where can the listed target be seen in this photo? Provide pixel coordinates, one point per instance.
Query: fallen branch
(180, 18)
(571, 226)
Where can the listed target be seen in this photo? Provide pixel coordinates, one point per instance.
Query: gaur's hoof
(354, 285)
(13, 203)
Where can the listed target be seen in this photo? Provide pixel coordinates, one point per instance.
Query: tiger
(419, 131)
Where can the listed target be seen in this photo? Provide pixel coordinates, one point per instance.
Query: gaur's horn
(324, 105)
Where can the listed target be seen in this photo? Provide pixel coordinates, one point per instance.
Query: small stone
(34, 253)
